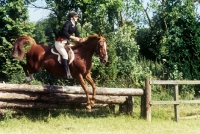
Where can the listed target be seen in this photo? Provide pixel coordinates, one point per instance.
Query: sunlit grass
(101, 121)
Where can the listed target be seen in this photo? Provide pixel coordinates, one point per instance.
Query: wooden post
(143, 106)
(130, 105)
(127, 106)
(148, 99)
(176, 109)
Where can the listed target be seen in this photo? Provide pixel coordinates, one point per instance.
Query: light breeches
(59, 45)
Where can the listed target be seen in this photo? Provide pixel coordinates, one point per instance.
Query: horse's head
(101, 49)
(97, 44)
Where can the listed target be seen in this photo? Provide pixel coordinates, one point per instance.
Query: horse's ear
(105, 36)
(99, 35)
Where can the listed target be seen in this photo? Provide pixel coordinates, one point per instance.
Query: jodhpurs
(59, 45)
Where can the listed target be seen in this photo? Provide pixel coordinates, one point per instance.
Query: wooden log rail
(38, 96)
(71, 90)
(58, 97)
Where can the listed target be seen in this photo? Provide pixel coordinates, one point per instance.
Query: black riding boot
(65, 65)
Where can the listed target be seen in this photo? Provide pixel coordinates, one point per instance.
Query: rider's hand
(77, 39)
(74, 38)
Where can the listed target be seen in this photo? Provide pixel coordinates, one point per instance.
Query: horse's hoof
(28, 79)
(89, 110)
(92, 102)
(88, 107)
(69, 77)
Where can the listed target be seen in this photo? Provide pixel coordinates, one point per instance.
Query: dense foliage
(13, 23)
(174, 37)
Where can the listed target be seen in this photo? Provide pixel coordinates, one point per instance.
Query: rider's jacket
(68, 29)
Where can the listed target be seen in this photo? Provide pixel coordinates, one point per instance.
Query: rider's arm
(74, 38)
(65, 30)
(77, 32)
(66, 33)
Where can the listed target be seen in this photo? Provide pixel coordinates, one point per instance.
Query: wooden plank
(176, 109)
(71, 89)
(148, 99)
(163, 102)
(174, 102)
(143, 107)
(189, 101)
(173, 82)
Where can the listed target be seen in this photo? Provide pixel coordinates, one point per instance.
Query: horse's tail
(21, 46)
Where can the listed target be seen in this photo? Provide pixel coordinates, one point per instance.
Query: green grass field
(101, 121)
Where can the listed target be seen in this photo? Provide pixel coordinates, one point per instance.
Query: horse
(36, 57)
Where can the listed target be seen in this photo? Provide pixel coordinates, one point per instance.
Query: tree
(43, 32)
(173, 35)
(13, 23)
(182, 46)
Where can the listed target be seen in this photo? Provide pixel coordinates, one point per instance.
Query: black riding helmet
(72, 14)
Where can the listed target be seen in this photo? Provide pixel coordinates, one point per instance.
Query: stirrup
(68, 75)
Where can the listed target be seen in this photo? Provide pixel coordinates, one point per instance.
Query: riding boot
(65, 65)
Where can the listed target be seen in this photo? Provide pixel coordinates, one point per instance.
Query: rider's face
(75, 18)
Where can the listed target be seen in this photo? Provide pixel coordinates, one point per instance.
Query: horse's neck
(85, 49)
(84, 54)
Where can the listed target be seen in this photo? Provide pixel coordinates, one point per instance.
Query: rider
(66, 32)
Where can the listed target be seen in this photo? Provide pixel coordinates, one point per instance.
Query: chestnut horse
(40, 57)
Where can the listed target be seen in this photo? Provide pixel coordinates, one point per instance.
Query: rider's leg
(65, 65)
(60, 48)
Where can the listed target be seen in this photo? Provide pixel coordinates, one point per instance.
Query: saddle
(69, 52)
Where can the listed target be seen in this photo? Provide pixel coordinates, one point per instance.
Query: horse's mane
(21, 45)
(85, 42)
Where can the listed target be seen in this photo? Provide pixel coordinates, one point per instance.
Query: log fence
(37, 96)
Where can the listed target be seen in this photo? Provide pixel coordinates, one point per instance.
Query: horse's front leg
(91, 82)
(85, 88)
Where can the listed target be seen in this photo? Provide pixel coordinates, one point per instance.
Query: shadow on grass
(43, 114)
(73, 111)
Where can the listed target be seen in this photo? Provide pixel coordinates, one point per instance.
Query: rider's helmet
(72, 14)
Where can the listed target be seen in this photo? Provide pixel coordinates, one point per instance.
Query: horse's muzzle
(104, 60)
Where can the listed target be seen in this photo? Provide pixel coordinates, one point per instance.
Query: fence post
(143, 105)
(176, 109)
(148, 99)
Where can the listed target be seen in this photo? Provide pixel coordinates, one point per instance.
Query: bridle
(102, 57)
(98, 49)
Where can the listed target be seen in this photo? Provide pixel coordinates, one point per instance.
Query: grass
(101, 121)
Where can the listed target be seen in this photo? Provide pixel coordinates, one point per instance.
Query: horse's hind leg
(91, 82)
(29, 77)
